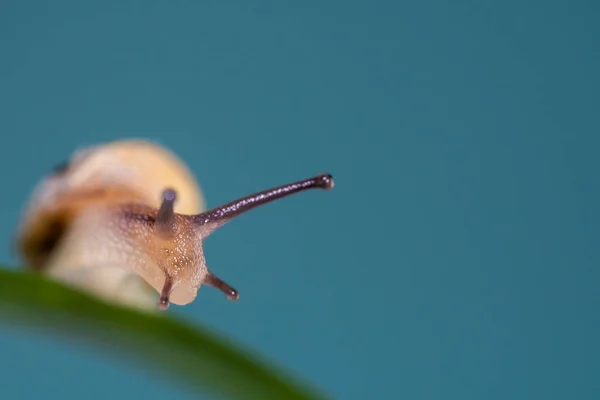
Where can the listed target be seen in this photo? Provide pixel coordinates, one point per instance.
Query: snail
(125, 220)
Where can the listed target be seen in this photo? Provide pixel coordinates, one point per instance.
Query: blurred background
(456, 258)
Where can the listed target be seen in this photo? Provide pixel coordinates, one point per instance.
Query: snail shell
(57, 229)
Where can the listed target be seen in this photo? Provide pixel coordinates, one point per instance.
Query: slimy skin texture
(126, 221)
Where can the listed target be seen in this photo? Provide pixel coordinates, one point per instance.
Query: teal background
(456, 258)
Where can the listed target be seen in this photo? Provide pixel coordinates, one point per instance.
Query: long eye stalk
(220, 215)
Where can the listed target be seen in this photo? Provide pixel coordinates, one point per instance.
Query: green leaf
(190, 355)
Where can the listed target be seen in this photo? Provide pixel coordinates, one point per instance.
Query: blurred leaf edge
(192, 356)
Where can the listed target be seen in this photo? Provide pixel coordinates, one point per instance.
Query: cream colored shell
(146, 168)
(141, 164)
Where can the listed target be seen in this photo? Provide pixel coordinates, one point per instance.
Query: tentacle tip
(163, 304)
(326, 181)
(233, 295)
(169, 195)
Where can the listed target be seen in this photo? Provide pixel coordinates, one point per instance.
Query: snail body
(125, 220)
